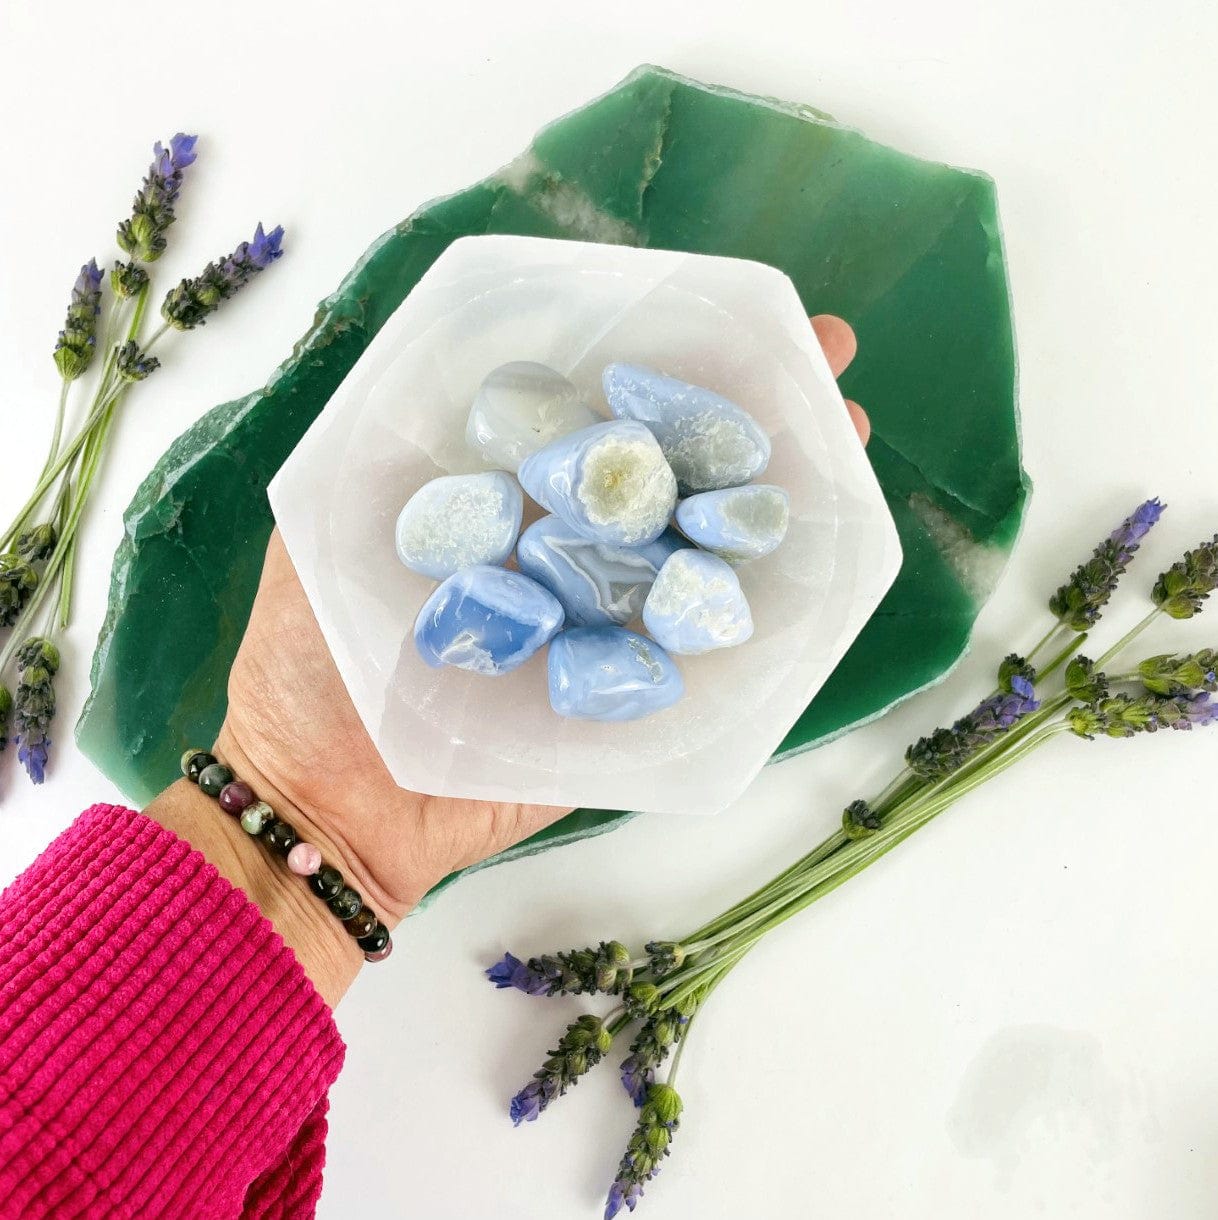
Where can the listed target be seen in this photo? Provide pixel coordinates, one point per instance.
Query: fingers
(858, 417)
(836, 337)
(837, 340)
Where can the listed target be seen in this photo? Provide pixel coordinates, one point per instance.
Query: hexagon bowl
(398, 419)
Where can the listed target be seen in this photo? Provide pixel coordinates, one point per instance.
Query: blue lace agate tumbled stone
(709, 442)
(520, 408)
(609, 482)
(458, 520)
(609, 673)
(737, 523)
(487, 620)
(598, 583)
(697, 604)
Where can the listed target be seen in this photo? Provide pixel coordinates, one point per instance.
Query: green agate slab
(909, 251)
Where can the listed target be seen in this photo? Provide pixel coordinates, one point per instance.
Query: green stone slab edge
(908, 250)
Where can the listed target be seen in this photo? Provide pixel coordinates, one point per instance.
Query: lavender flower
(946, 750)
(859, 820)
(605, 969)
(1180, 590)
(132, 363)
(1084, 682)
(37, 543)
(1081, 600)
(1126, 716)
(1175, 675)
(143, 236)
(127, 279)
(649, 1144)
(189, 304)
(579, 1050)
(656, 1037)
(17, 581)
(34, 706)
(74, 347)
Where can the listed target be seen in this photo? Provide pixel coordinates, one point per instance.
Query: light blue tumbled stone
(487, 620)
(458, 520)
(609, 673)
(737, 523)
(598, 583)
(709, 442)
(697, 604)
(609, 482)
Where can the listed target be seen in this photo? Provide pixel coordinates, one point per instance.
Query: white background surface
(1013, 1015)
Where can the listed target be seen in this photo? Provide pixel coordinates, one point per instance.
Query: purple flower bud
(143, 236)
(1081, 600)
(74, 347)
(192, 301)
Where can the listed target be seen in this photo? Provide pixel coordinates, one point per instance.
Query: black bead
(376, 940)
(346, 902)
(326, 882)
(280, 836)
(196, 765)
(213, 777)
(361, 923)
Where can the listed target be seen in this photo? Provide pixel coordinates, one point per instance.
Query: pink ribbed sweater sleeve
(162, 1053)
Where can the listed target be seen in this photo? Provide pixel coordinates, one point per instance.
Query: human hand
(293, 735)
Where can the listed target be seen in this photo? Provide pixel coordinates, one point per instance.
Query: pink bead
(235, 797)
(380, 954)
(304, 859)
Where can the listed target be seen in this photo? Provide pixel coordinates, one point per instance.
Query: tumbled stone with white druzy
(521, 407)
(609, 673)
(609, 482)
(458, 520)
(696, 604)
(487, 620)
(598, 583)
(737, 523)
(709, 441)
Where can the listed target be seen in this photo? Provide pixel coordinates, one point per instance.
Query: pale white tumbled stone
(459, 520)
(521, 407)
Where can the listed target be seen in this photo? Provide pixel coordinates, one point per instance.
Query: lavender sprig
(579, 1050)
(605, 969)
(659, 1119)
(655, 1038)
(1180, 590)
(34, 705)
(37, 543)
(192, 301)
(1127, 716)
(1080, 601)
(17, 581)
(74, 347)
(1174, 675)
(143, 236)
(947, 750)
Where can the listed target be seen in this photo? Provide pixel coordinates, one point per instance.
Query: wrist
(325, 950)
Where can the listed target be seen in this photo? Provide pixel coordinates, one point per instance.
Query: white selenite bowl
(398, 419)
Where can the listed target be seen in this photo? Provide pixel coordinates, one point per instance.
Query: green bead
(254, 817)
(213, 777)
(193, 752)
(197, 764)
(280, 837)
(346, 902)
(326, 882)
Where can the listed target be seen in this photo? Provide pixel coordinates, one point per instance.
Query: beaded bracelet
(259, 820)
